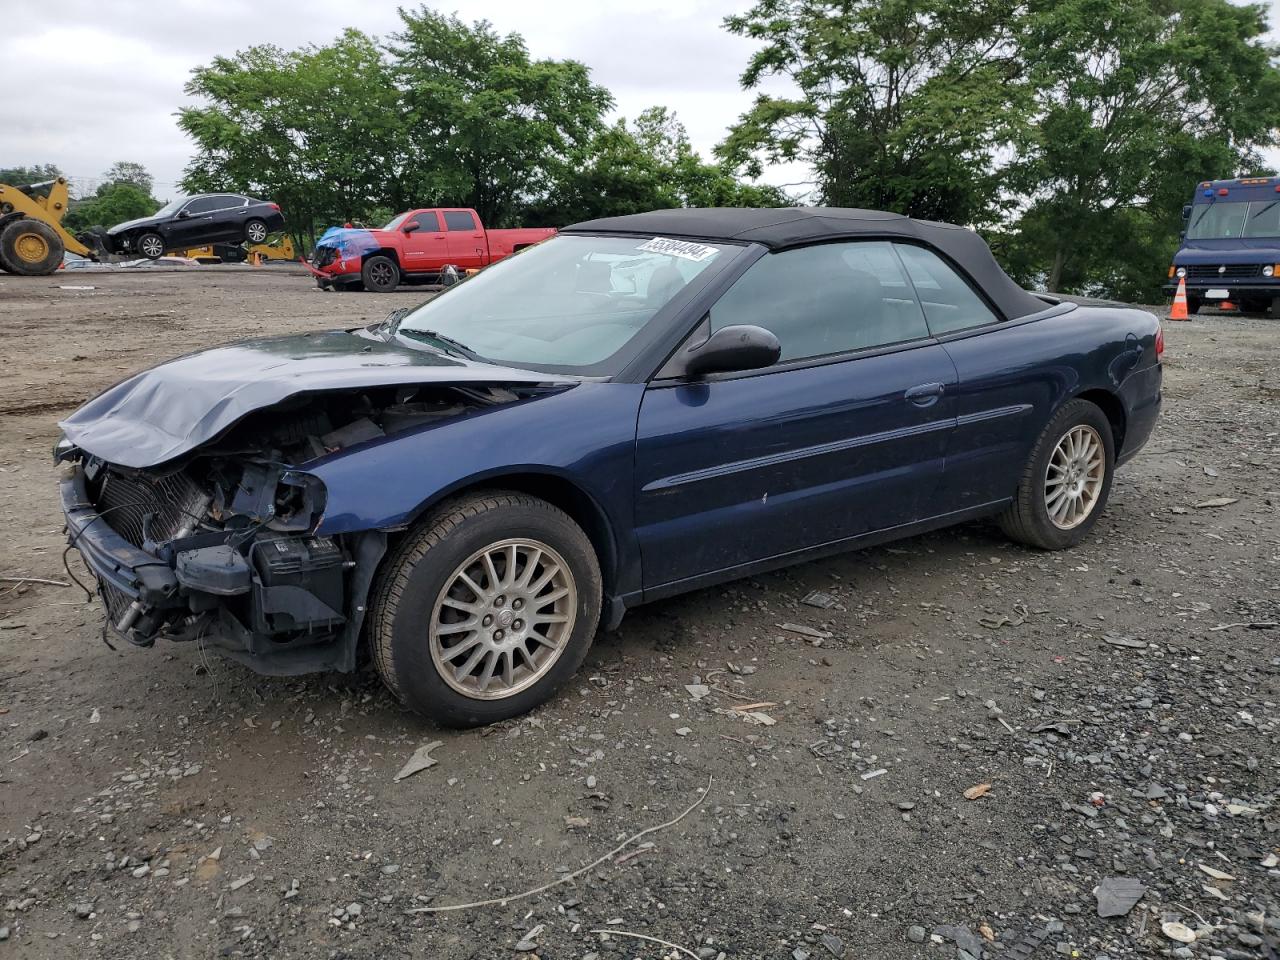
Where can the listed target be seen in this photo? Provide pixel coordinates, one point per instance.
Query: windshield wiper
(1252, 216)
(1191, 226)
(450, 345)
(389, 323)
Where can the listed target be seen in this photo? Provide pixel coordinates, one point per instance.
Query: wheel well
(1109, 404)
(570, 498)
(381, 251)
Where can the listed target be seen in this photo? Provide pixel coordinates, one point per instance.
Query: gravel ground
(952, 760)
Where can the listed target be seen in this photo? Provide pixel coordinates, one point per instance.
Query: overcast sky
(88, 83)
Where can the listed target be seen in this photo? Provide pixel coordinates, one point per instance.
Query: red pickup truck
(415, 246)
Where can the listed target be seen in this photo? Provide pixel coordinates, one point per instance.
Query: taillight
(1159, 342)
(274, 206)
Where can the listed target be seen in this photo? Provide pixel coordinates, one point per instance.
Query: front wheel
(380, 274)
(1066, 482)
(1258, 305)
(486, 610)
(30, 248)
(150, 245)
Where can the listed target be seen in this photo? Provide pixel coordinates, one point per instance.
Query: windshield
(1229, 219)
(570, 304)
(395, 222)
(170, 208)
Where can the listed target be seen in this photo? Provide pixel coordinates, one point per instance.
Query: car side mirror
(410, 227)
(729, 349)
(1186, 212)
(183, 214)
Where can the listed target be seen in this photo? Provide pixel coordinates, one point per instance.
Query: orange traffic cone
(1179, 310)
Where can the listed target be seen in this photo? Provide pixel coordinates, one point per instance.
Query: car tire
(150, 245)
(380, 274)
(1255, 305)
(455, 569)
(1194, 305)
(31, 248)
(255, 231)
(1056, 510)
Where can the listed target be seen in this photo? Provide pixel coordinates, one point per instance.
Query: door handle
(926, 394)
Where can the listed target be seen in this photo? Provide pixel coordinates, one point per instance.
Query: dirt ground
(1120, 700)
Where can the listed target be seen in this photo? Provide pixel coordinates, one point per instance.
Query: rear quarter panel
(1014, 377)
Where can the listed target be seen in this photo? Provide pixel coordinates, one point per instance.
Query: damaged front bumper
(335, 274)
(284, 603)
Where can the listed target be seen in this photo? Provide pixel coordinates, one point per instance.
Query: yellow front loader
(32, 239)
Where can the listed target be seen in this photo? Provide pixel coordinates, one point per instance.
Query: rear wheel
(486, 610)
(1066, 482)
(380, 274)
(31, 248)
(149, 245)
(255, 231)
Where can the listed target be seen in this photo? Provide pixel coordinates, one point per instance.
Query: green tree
(124, 194)
(125, 171)
(650, 164)
(487, 124)
(317, 130)
(611, 175)
(1134, 103)
(899, 105)
(112, 203)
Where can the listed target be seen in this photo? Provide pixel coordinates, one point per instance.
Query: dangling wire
(88, 594)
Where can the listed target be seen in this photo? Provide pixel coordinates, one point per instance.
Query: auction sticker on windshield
(684, 249)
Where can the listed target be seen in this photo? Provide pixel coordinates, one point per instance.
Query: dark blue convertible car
(638, 407)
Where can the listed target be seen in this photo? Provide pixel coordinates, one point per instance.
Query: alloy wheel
(1073, 480)
(503, 618)
(381, 273)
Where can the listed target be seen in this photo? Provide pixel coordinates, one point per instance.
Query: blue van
(1231, 245)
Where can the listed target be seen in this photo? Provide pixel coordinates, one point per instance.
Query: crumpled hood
(352, 241)
(176, 407)
(129, 225)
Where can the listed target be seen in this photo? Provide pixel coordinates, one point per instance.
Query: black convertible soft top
(780, 228)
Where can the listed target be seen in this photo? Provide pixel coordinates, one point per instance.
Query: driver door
(423, 250)
(845, 436)
(191, 224)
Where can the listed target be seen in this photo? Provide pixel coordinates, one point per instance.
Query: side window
(459, 220)
(826, 299)
(201, 205)
(427, 222)
(949, 303)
